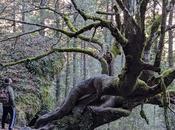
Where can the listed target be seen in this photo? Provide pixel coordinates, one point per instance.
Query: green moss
(46, 67)
(115, 49)
(152, 25)
(47, 94)
(116, 81)
(104, 66)
(141, 86)
(69, 23)
(167, 72)
(141, 83)
(28, 100)
(27, 105)
(155, 24)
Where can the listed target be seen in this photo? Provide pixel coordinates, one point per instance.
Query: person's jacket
(11, 95)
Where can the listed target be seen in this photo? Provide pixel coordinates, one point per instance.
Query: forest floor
(15, 128)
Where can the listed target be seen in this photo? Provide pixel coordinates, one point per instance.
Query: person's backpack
(4, 96)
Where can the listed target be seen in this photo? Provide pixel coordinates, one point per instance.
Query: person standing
(8, 104)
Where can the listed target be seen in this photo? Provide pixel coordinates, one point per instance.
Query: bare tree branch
(69, 34)
(162, 34)
(85, 16)
(170, 27)
(88, 27)
(13, 37)
(117, 18)
(2, 11)
(143, 7)
(171, 110)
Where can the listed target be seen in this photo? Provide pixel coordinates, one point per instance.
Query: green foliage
(152, 25)
(47, 95)
(46, 67)
(28, 100)
(155, 25)
(27, 105)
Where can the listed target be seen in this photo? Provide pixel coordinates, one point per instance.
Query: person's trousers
(8, 110)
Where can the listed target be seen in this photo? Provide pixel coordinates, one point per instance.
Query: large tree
(106, 98)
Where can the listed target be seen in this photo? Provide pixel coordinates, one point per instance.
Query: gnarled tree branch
(83, 37)
(91, 53)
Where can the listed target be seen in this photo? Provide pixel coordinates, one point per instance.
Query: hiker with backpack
(7, 99)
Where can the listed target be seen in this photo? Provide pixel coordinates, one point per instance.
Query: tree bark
(23, 16)
(67, 71)
(14, 15)
(75, 74)
(94, 116)
(57, 89)
(170, 42)
(42, 15)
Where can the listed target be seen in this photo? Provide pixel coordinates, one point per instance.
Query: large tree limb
(109, 86)
(88, 27)
(104, 23)
(90, 119)
(83, 37)
(120, 38)
(93, 117)
(91, 53)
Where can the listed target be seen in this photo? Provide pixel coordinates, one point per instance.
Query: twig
(105, 13)
(40, 25)
(20, 35)
(85, 16)
(171, 109)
